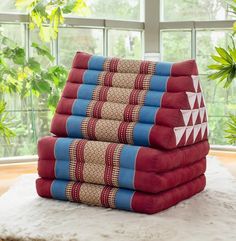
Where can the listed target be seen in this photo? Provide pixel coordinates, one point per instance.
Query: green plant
(47, 15)
(26, 76)
(231, 129)
(225, 66)
(225, 71)
(6, 125)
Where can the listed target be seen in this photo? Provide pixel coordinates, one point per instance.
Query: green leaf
(34, 65)
(43, 51)
(223, 53)
(215, 66)
(19, 56)
(219, 59)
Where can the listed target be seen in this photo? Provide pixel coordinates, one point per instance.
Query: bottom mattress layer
(119, 198)
(120, 177)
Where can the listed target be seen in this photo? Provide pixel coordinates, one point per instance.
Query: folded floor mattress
(119, 198)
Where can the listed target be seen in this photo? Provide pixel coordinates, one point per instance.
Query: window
(176, 45)
(124, 44)
(74, 39)
(183, 10)
(199, 42)
(31, 114)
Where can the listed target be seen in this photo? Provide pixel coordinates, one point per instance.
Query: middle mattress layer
(128, 132)
(119, 155)
(119, 177)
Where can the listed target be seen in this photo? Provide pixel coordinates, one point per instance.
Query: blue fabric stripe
(158, 83)
(163, 68)
(91, 77)
(126, 178)
(58, 189)
(62, 169)
(141, 134)
(61, 149)
(73, 126)
(96, 62)
(147, 114)
(123, 199)
(86, 92)
(80, 107)
(128, 156)
(153, 98)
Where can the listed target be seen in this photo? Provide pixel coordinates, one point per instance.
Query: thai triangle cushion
(127, 101)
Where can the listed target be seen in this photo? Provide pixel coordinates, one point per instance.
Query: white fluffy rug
(210, 215)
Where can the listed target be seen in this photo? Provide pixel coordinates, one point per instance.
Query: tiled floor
(9, 172)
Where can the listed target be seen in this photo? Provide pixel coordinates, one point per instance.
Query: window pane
(176, 46)
(25, 141)
(220, 102)
(14, 31)
(206, 41)
(124, 44)
(113, 9)
(182, 10)
(74, 39)
(8, 6)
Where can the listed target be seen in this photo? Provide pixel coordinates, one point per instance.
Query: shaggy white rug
(210, 215)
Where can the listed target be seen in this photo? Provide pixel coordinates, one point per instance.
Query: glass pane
(25, 141)
(113, 9)
(220, 101)
(216, 127)
(175, 45)
(183, 10)
(15, 32)
(206, 40)
(124, 44)
(74, 39)
(8, 6)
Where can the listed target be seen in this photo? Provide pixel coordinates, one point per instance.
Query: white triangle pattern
(195, 115)
(203, 128)
(186, 116)
(202, 113)
(195, 79)
(188, 132)
(196, 130)
(199, 98)
(179, 132)
(191, 98)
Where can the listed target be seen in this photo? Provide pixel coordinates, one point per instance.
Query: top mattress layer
(94, 62)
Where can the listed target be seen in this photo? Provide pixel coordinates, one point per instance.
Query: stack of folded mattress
(128, 134)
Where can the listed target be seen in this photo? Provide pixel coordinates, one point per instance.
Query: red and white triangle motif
(195, 79)
(194, 115)
(186, 116)
(189, 130)
(202, 113)
(203, 128)
(179, 132)
(191, 98)
(196, 130)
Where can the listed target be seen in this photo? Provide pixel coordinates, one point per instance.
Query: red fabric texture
(159, 136)
(145, 202)
(43, 187)
(65, 106)
(153, 203)
(184, 68)
(174, 83)
(144, 181)
(178, 100)
(147, 159)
